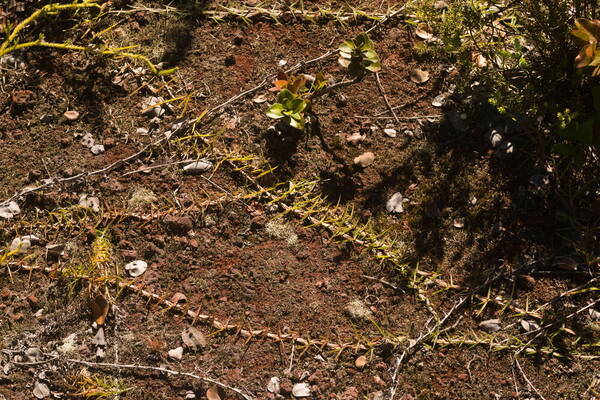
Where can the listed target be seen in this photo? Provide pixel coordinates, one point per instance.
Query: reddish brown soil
(227, 264)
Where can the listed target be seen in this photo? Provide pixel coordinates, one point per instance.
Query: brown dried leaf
(100, 309)
(213, 393)
(419, 76)
(193, 338)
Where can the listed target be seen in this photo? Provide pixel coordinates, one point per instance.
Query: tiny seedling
(359, 56)
(289, 109)
(294, 98)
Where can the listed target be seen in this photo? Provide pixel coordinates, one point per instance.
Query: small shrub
(359, 56)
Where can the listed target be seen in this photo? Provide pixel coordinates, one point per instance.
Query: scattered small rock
(136, 268)
(351, 393)
(360, 362)
(20, 244)
(357, 310)
(390, 132)
(529, 326)
(197, 167)
(178, 225)
(423, 31)
(141, 131)
(365, 159)
(151, 107)
(419, 76)
(301, 390)
(54, 250)
(193, 339)
(355, 138)
(97, 149)
(280, 230)
(89, 202)
(493, 137)
(71, 115)
(176, 354)
(490, 325)
(10, 210)
(395, 203)
(40, 390)
(273, 385)
(458, 223)
(88, 140)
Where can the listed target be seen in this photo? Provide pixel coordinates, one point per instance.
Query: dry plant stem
(527, 380)
(247, 333)
(50, 8)
(385, 99)
(151, 368)
(541, 329)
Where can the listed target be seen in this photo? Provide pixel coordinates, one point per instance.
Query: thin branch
(527, 380)
(385, 99)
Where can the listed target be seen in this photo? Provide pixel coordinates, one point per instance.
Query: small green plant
(99, 387)
(294, 98)
(359, 56)
(289, 109)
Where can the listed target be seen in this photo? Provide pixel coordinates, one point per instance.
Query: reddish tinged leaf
(279, 85)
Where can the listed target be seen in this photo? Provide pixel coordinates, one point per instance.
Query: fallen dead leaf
(100, 309)
(419, 76)
(213, 393)
(178, 297)
(193, 338)
(424, 31)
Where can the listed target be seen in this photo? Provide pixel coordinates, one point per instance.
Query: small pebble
(71, 115)
(97, 149)
(390, 132)
(198, 167)
(176, 354)
(365, 159)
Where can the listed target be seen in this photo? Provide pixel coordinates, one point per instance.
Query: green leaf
(298, 105)
(275, 111)
(344, 62)
(347, 46)
(297, 121)
(374, 67)
(361, 40)
(285, 95)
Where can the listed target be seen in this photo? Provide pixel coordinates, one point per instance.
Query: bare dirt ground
(281, 253)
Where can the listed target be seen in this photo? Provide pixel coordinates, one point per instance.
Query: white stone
(136, 268)
(301, 390)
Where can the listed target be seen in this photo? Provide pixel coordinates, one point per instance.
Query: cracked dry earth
(283, 306)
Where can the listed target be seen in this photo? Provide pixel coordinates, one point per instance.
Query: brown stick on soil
(385, 99)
